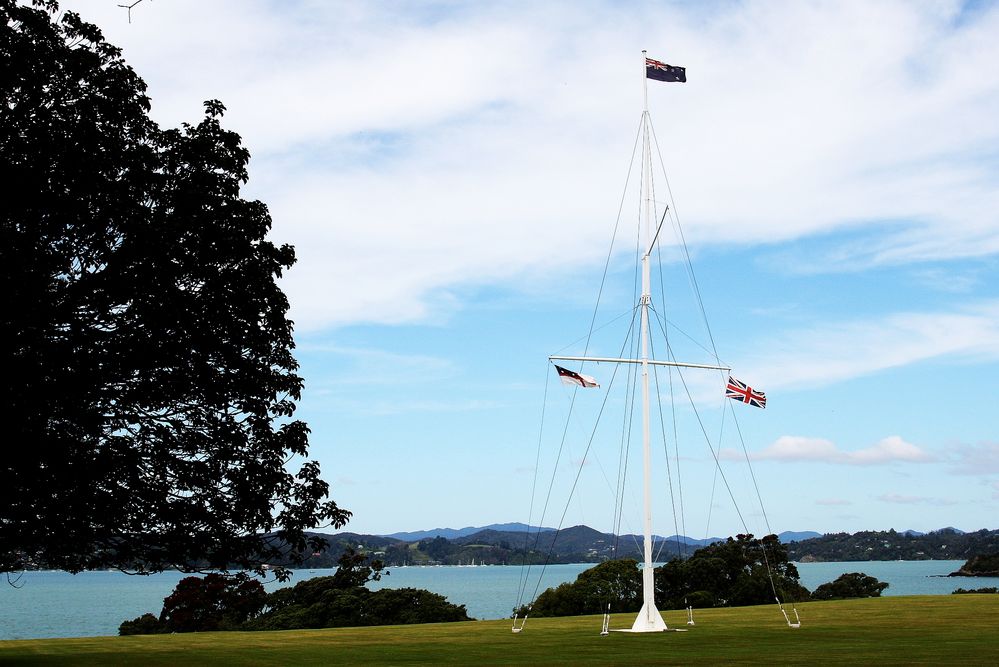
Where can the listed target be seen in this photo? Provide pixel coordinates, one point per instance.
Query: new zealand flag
(663, 72)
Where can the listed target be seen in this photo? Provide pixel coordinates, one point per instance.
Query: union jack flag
(740, 391)
(663, 72)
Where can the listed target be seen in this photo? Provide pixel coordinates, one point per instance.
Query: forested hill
(944, 544)
(579, 544)
(582, 544)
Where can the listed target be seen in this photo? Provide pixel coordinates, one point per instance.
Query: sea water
(57, 604)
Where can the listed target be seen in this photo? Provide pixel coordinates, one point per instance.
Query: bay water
(57, 604)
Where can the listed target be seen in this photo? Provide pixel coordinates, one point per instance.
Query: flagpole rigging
(649, 619)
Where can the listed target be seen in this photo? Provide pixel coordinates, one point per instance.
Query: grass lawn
(931, 630)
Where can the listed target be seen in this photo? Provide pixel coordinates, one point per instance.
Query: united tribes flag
(663, 72)
(741, 392)
(572, 377)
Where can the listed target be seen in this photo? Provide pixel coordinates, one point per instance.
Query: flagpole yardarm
(652, 362)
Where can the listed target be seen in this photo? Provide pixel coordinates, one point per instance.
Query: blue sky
(450, 174)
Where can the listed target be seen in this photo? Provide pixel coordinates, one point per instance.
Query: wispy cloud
(836, 351)
(900, 499)
(981, 459)
(384, 408)
(893, 449)
(946, 281)
(358, 366)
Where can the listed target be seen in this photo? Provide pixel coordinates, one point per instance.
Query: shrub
(963, 591)
(147, 624)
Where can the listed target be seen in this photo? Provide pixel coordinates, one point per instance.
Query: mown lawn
(931, 630)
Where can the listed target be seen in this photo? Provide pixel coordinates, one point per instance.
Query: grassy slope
(945, 629)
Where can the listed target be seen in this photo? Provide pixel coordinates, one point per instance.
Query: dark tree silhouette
(618, 582)
(850, 585)
(148, 384)
(733, 573)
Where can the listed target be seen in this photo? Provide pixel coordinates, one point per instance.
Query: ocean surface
(57, 604)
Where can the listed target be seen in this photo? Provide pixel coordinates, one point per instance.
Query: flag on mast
(572, 377)
(663, 72)
(740, 391)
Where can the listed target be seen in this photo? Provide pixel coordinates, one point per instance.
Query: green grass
(932, 630)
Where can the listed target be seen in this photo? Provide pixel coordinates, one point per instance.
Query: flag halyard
(740, 391)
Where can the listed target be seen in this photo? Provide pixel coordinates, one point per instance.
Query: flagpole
(649, 619)
(645, 83)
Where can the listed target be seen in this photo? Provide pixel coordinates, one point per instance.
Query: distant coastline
(516, 544)
(501, 544)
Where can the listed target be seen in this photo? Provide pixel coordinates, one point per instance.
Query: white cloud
(835, 351)
(408, 149)
(892, 449)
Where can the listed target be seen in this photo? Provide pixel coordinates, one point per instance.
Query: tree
(982, 565)
(732, 573)
(358, 606)
(354, 569)
(850, 585)
(212, 602)
(437, 548)
(342, 600)
(617, 582)
(149, 385)
(201, 604)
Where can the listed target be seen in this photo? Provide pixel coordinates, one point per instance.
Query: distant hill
(513, 544)
(797, 535)
(582, 544)
(943, 544)
(500, 544)
(454, 533)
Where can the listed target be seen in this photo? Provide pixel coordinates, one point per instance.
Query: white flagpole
(649, 619)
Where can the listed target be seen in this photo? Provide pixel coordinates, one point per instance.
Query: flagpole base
(649, 620)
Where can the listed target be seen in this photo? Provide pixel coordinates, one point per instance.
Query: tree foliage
(341, 600)
(850, 585)
(618, 582)
(201, 604)
(982, 565)
(976, 591)
(148, 385)
(732, 573)
(943, 544)
(329, 607)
